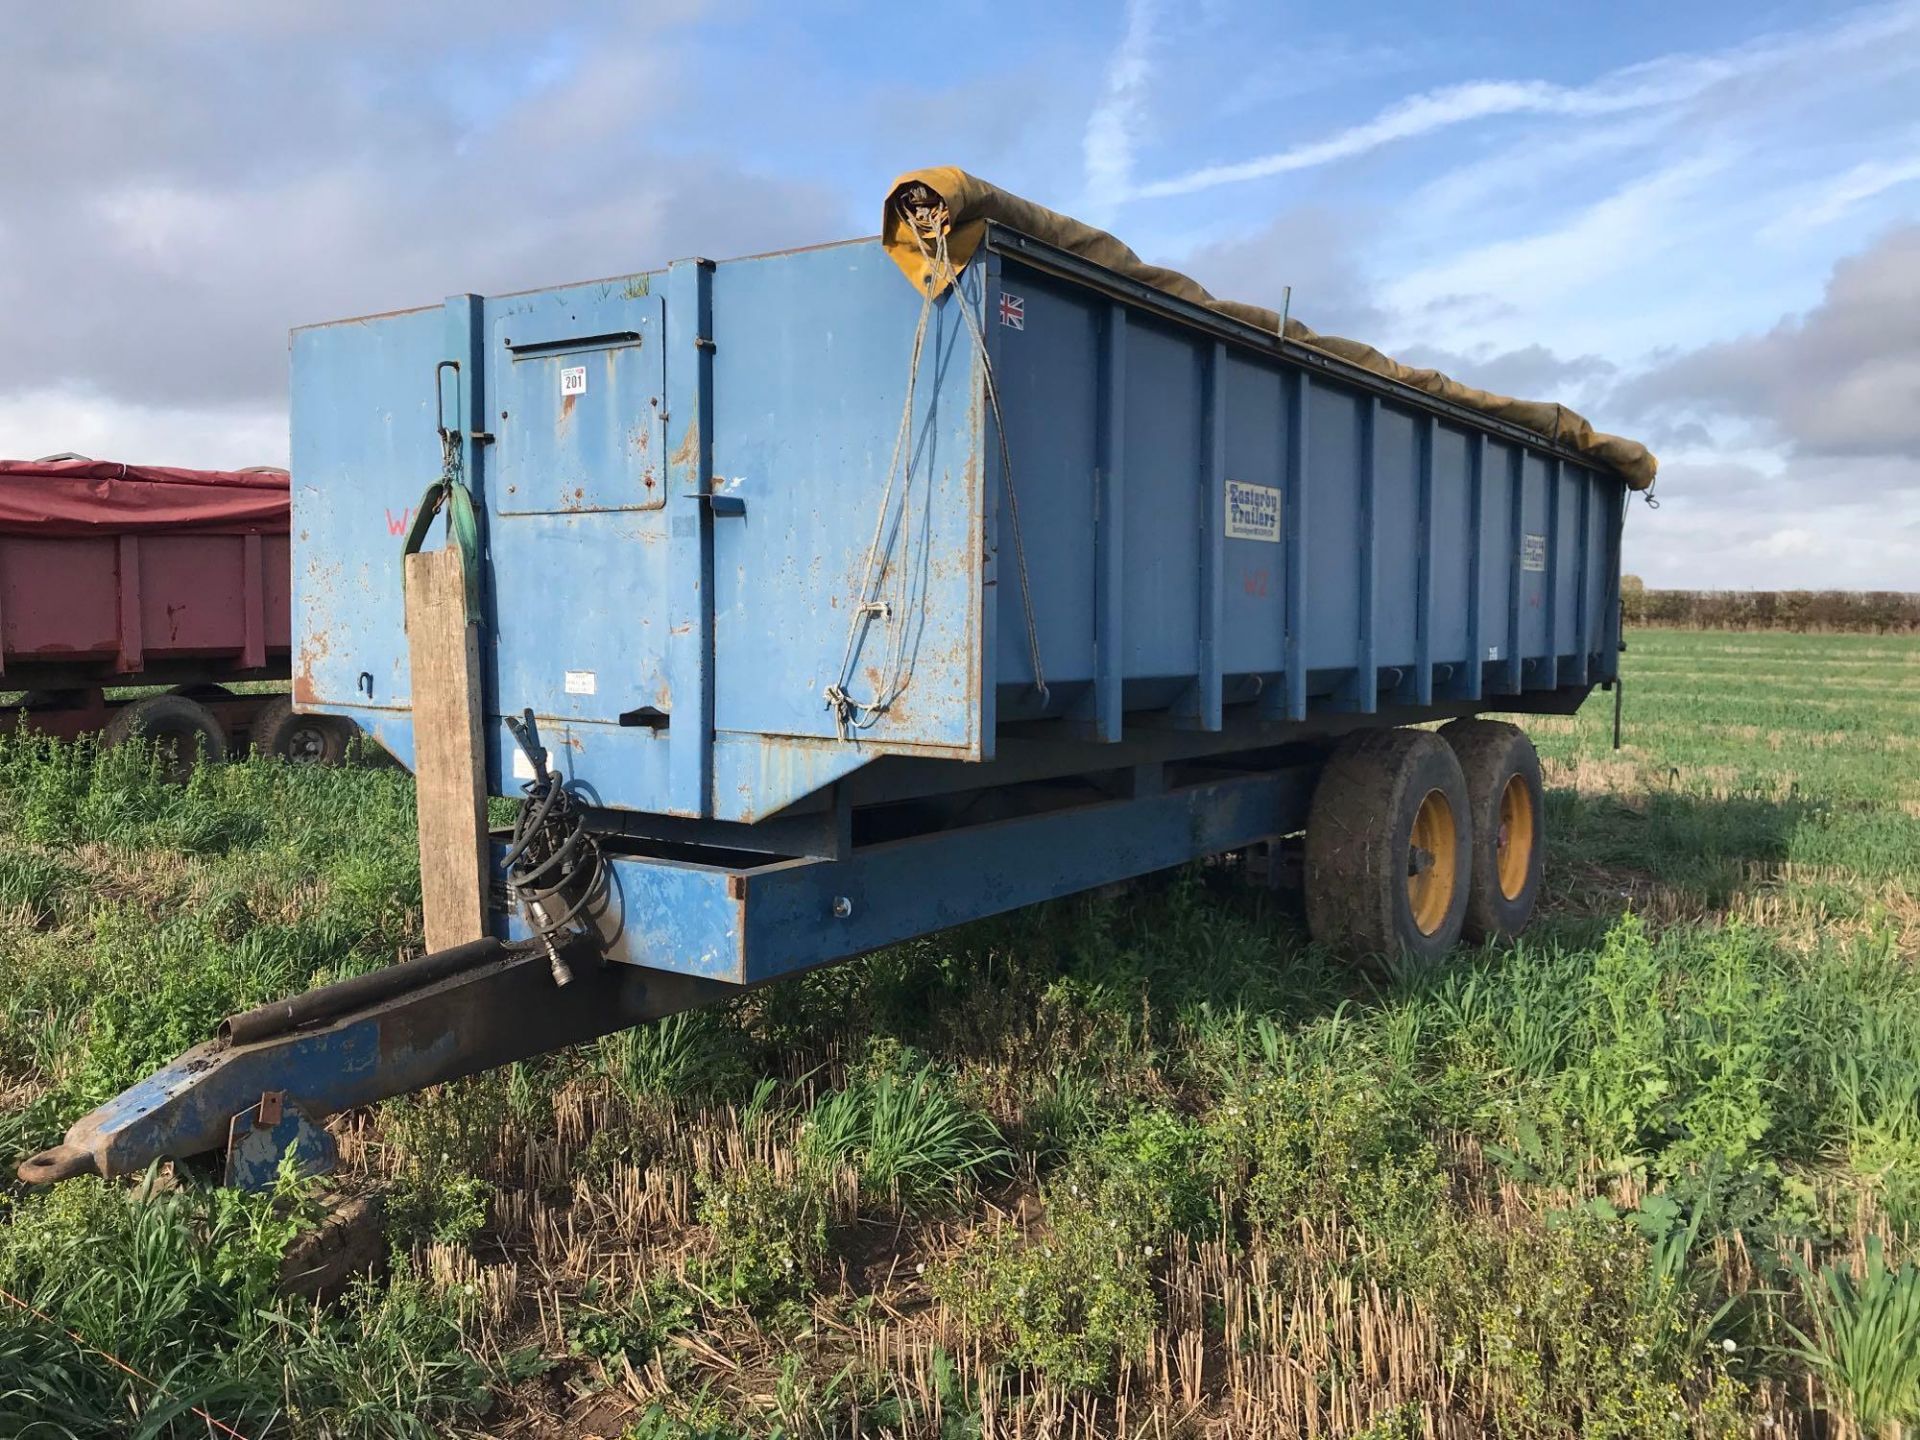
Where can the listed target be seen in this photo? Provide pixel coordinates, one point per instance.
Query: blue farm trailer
(819, 600)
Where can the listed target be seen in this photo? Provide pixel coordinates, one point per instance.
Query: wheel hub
(1514, 841)
(1432, 862)
(306, 744)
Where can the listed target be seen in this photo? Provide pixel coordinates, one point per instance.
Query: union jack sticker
(1013, 311)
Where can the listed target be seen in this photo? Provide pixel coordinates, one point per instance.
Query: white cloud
(1113, 125)
(55, 421)
(163, 237)
(1611, 237)
(1766, 538)
(1404, 120)
(1667, 82)
(1839, 197)
(1311, 252)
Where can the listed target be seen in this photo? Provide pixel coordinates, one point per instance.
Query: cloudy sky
(1698, 222)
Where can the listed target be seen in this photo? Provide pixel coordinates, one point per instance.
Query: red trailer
(118, 576)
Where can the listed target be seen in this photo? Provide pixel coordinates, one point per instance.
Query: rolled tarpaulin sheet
(78, 497)
(942, 201)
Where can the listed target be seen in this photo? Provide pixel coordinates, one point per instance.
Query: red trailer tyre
(1509, 825)
(180, 729)
(280, 731)
(1389, 841)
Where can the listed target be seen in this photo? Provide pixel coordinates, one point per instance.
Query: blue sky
(1700, 223)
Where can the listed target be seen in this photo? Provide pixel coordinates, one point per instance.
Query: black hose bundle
(553, 866)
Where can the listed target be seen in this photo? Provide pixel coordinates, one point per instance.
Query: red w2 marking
(398, 525)
(1254, 582)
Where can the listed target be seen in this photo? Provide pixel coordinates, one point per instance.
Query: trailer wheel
(280, 731)
(1509, 825)
(183, 731)
(1389, 837)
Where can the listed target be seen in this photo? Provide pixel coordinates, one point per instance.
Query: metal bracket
(647, 717)
(260, 1138)
(440, 398)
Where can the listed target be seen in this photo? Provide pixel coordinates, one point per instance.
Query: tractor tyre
(1509, 825)
(1389, 837)
(182, 731)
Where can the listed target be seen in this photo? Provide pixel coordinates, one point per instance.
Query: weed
(179, 1286)
(635, 1326)
(698, 1419)
(1064, 1111)
(1865, 1340)
(695, 1054)
(1329, 1142)
(439, 1207)
(1561, 1330)
(766, 1237)
(911, 1137)
(1158, 1170)
(35, 883)
(1069, 1303)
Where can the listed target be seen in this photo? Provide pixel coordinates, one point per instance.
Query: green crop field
(1148, 1165)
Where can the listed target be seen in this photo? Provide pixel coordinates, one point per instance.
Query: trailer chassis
(682, 925)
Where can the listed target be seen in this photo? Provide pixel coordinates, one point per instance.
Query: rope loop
(463, 530)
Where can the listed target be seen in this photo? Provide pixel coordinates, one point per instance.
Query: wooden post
(449, 767)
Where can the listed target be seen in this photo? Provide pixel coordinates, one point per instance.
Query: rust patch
(687, 452)
(314, 646)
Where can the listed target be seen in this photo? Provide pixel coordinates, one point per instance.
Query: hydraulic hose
(329, 1002)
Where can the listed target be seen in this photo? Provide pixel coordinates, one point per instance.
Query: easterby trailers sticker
(1533, 552)
(1253, 512)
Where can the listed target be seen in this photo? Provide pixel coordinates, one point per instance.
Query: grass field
(1140, 1166)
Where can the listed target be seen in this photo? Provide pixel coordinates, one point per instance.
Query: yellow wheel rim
(1513, 846)
(1433, 863)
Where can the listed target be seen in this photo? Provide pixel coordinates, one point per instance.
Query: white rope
(1006, 476)
(850, 713)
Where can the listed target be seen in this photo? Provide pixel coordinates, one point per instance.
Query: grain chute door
(577, 400)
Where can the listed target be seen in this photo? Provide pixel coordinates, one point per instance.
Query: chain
(463, 530)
